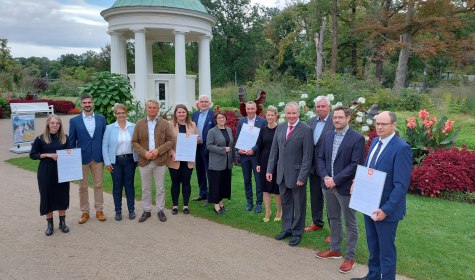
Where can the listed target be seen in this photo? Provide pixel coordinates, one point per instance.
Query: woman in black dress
(219, 144)
(53, 195)
(264, 143)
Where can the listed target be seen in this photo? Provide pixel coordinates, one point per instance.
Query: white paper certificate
(69, 165)
(247, 137)
(367, 190)
(186, 147)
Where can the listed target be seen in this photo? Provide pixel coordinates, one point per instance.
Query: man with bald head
(291, 152)
(390, 154)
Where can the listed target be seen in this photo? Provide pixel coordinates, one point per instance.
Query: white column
(180, 69)
(204, 66)
(140, 66)
(122, 56)
(149, 57)
(115, 50)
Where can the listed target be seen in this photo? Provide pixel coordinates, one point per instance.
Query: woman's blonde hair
(273, 109)
(47, 134)
(119, 106)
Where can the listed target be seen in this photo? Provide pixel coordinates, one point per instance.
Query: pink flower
(423, 114)
(411, 122)
(428, 123)
(449, 125)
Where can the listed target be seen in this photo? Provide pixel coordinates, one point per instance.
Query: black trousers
(181, 176)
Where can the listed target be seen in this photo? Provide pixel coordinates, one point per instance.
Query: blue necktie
(372, 163)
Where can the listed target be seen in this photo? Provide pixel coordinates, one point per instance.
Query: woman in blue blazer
(121, 160)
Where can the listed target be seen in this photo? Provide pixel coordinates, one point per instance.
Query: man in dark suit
(85, 132)
(292, 152)
(342, 151)
(320, 125)
(390, 154)
(248, 158)
(204, 120)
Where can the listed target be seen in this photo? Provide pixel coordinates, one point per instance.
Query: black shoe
(162, 217)
(295, 240)
(132, 215)
(144, 217)
(62, 224)
(205, 203)
(200, 197)
(118, 216)
(175, 211)
(258, 208)
(186, 211)
(224, 209)
(283, 235)
(249, 207)
(50, 229)
(218, 212)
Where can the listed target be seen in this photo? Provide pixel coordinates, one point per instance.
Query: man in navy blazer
(85, 132)
(248, 158)
(204, 120)
(341, 152)
(390, 154)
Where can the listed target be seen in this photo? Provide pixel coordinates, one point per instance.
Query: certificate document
(247, 137)
(186, 147)
(367, 190)
(69, 165)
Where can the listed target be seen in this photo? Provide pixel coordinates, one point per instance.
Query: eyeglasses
(382, 124)
(120, 113)
(220, 118)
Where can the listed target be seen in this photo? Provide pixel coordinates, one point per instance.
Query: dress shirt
(201, 122)
(288, 127)
(151, 132)
(385, 142)
(90, 123)
(251, 122)
(124, 141)
(319, 129)
(337, 143)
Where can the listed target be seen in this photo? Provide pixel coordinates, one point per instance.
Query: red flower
(449, 125)
(411, 122)
(423, 114)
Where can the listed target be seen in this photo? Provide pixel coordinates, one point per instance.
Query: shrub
(60, 106)
(411, 101)
(445, 170)
(4, 108)
(384, 97)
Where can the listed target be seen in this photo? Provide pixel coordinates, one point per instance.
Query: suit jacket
(259, 122)
(174, 131)
(163, 141)
(349, 155)
(91, 147)
(396, 161)
(316, 147)
(209, 123)
(215, 143)
(109, 143)
(293, 156)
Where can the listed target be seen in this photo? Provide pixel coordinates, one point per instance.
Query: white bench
(31, 108)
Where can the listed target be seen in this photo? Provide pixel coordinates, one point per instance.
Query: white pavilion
(149, 21)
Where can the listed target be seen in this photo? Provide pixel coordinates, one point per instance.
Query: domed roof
(193, 5)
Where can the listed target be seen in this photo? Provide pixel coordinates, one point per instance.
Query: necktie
(372, 163)
(291, 127)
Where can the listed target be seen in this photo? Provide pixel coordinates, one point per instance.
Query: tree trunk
(378, 53)
(319, 49)
(354, 59)
(379, 69)
(334, 36)
(406, 40)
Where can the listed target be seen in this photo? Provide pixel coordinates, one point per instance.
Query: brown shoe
(84, 218)
(312, 227)
(100, 216)
(327, 239)
(161, 216)
(144, 217)
(347, 266)
(328, 254)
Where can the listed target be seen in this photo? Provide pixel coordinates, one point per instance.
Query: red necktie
(291, 127)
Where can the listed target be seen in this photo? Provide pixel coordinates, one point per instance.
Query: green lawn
(436, 240)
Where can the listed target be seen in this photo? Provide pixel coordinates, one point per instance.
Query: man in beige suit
(152, 139)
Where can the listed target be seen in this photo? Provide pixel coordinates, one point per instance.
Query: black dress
(53, 195)
(220, 181)
(264, 142)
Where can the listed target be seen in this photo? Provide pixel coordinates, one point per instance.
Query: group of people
(325, 150)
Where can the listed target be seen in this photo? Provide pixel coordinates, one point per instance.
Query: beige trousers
(97, 169)
(158, 173)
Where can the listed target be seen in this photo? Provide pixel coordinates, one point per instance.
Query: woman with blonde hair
(54, 196)
(180, 171)
(264, 144)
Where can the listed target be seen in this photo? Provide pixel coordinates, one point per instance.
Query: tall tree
(334, 58)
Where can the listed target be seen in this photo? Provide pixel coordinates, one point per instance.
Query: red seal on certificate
(68, 152)
(370, 171)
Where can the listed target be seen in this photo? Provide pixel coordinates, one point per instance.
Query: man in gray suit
(320, 125)
(292, 152)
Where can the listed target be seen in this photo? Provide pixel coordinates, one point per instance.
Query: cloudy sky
(50, 28)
